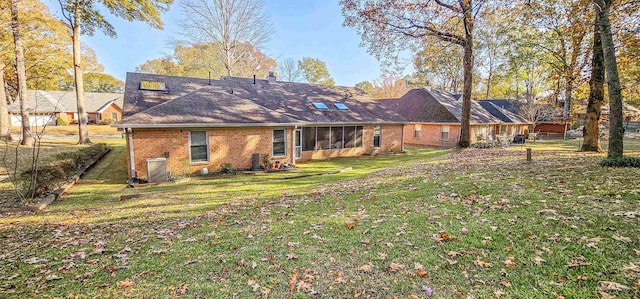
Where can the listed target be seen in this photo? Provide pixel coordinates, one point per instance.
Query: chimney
(272, 77)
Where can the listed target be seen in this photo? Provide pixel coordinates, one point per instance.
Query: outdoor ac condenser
(157, 170)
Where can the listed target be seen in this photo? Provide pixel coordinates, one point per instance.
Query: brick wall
(232, 145)
(430, 135)
(236, 145)
(111, 109)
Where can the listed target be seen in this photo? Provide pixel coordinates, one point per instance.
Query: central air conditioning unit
(157, 170)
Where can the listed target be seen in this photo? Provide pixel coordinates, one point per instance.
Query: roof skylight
(341, 106)
(320, 106)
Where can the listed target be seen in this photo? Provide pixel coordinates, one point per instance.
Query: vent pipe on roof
(254, 79)
(209, 77)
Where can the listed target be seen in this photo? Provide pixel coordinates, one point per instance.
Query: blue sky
(306, 28)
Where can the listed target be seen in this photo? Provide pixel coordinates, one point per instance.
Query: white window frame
(273, 133)
(207, 140)
(417, 131)
(114, 115)
(444, 129)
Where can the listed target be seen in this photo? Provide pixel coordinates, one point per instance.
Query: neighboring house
(435, 116)
(190, 123)
(511, 123)
(46, 106)
(629, 113)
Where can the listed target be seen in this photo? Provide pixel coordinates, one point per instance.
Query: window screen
(279, 143)
(198, 144)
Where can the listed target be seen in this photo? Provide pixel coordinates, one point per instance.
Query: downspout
(402, 144)
(131, 157)
(293, 145)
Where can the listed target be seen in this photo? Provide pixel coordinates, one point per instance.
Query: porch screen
(324, 138)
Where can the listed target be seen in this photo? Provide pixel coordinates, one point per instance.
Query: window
(320, 106)
(416, 131)
(279, 143)
(444, 132)
(199, 146)
(341, 106)
(503, 129)
(114, 115)
(376, 136)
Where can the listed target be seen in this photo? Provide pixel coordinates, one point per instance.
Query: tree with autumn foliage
(84, 16)
(315, 71)
(200, 62)
(389, 26)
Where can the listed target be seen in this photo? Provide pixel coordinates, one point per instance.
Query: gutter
(402, 144)
(131, 157)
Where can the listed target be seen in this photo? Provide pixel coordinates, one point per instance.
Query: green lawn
(477, 223)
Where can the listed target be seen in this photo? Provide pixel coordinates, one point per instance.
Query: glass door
(298, 143)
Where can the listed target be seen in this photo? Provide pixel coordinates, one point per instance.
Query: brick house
(434, 118)
(47, 105)
(511, 123)
(192, 123)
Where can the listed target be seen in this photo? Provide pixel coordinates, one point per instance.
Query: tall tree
(5, 121)
(27, 138)
(616, 129)
(288, 70)
(563, 31)
(315, 71)
(366, 86)
(97, 82)
(388, 87)
(225, 25)
(387, 26)
(596, 95)
(200, 62)
(84, 15)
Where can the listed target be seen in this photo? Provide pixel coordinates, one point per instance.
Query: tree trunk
(83, 133)
(616, 129)
(5, 120)
(465, 129)
(596, 95)
(27, 138)
(568, 90)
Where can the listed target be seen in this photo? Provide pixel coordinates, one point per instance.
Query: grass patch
(481, 223)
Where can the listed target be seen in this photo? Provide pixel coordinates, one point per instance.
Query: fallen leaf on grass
(509, 262)
(621, 238)
(427, 291)
(124, 283)
(631, 267)
(538, 260)
(444, 236)
(349, 225)
(35, 260)
(291, 256)
(479, 263)
(612, 286)
(421, 273)
(365, 268)
(52, 277)
(395, 267)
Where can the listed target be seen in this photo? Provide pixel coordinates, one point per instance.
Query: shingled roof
(435, 106)
(234, 101)
(48, 101)
(503, 114)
